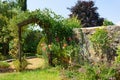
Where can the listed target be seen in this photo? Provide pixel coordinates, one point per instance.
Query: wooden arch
(46, 19)
(26, 22)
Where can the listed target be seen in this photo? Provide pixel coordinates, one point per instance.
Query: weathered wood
(20, 25)
(19, 44)
(27, 21)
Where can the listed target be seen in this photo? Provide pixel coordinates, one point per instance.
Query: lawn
(44, 74)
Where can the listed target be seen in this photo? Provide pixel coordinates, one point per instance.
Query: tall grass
(45, 74)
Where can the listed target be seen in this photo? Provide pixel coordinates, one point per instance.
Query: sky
(108, 9)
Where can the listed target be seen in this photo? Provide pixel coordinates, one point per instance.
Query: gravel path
(34, 63)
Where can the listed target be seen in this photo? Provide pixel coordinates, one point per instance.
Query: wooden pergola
(26, 22)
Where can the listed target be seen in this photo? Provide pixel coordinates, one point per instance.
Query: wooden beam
(19, 46)
(27, 21)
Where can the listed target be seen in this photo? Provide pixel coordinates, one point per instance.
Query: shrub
(40, 45)
(53, 47)
(1, 57)
(102, 72)
(60, 53)
(100, 38)
(31, 41)
(4, 64)
(117, 59)
(107, 23)
(101, 44)
(20, 66)
(91, 72)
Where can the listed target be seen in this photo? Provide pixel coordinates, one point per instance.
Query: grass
(4, 64)
(44, 74)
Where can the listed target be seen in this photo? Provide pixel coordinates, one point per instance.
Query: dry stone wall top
(114, 32)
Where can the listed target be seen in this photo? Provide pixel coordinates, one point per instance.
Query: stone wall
(113, 32)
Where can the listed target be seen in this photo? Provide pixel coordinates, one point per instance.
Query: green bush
(62, 53)
(107, 23)
(100, 38)
(1, 57)
(31, 40)
(62, 45)
(20, 66)
(41, 44)
(117, 59)
(101, 43)
(102, 72)
(91, 72)
(4, 64)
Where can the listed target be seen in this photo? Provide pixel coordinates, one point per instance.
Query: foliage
(90, 72)
(20, 66)
(117, 63)
(107, 22)
(62, 53)
(117, 74)
(61, 34)
(44, 74)
(8, 9)
(117, 59)
(2, 57)
(4, 33)
(100, 37)
(31, 41)
(72, 22)
(22, 4)
(43, 16)
(40, 45)
(86, 12)
(4, 65)
(100, 41)
(55, 28)
(98, 72)
(61, 47)
(14, 48)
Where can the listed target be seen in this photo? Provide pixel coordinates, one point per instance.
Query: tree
(23, 4)
(6, 13)
(107, 23)
(86, 13)
(31, 40)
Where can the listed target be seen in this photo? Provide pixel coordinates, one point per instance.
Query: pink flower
(44, 48)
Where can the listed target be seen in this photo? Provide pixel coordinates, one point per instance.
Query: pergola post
(20, 25)
(19, 45)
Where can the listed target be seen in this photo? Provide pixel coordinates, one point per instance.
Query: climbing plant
(13, 25)
(101, 43)
(56, 29)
